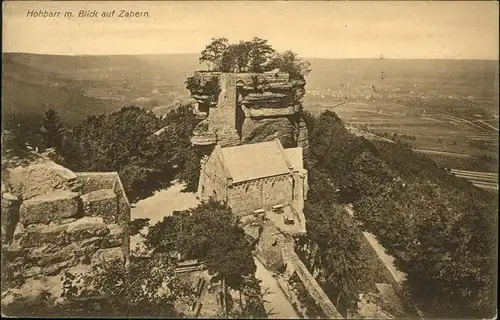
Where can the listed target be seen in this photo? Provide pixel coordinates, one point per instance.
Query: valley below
(447, 109)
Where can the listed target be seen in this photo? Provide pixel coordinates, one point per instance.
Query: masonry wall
(270, 246)
(246, 197)
(212, 179)
(223, 116)
(300, 190)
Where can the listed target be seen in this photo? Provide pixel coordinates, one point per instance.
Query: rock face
(269, 247)
(9, 214)
(286, 129)
(49, 226)
(41, 177)
(248, 108)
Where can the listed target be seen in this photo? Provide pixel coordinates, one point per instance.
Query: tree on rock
(289, 62)
(213, 52)
(256, 55)
(260, 53)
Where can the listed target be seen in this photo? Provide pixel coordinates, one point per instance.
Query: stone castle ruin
(54, 219)
(241, 108)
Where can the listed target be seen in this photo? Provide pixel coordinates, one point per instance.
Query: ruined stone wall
(95, 181)
(69, 224)
(262, 193)
(104, 190)
(223, 116)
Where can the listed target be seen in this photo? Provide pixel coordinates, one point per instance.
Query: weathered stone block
(31, 272)
(48, 207)
(72, 253)
(63, 234)
(115, 236)
(87, 227)
(38, 178)
(48, 255)
(101, 203)
(18, 231)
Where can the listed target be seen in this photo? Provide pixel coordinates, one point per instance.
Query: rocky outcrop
(247, 108)
(62, 221)
(288, 130)
(110, 256)
(40, 177)
(48, 251)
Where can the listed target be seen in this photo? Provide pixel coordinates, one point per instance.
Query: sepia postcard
(250, 159)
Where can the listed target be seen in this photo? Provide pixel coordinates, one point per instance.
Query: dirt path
(380, 251)
(163, 203)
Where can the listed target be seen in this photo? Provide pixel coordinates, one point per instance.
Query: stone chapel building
(259, 177)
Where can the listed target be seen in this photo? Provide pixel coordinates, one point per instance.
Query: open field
(447, 109)
(435, 134)
(487, 180)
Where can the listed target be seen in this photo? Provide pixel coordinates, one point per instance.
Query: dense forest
(440, 229)
(148, 152)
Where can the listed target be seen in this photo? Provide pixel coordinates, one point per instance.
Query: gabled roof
(259, 160)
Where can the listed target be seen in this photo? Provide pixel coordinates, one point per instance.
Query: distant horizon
(461, 30)
(197, 54)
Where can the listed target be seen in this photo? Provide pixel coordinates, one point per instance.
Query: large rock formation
(54, 219)
(240, 108)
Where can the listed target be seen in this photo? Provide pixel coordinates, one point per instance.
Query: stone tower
(241, 108)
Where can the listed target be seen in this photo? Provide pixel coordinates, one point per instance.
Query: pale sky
(427, 30)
